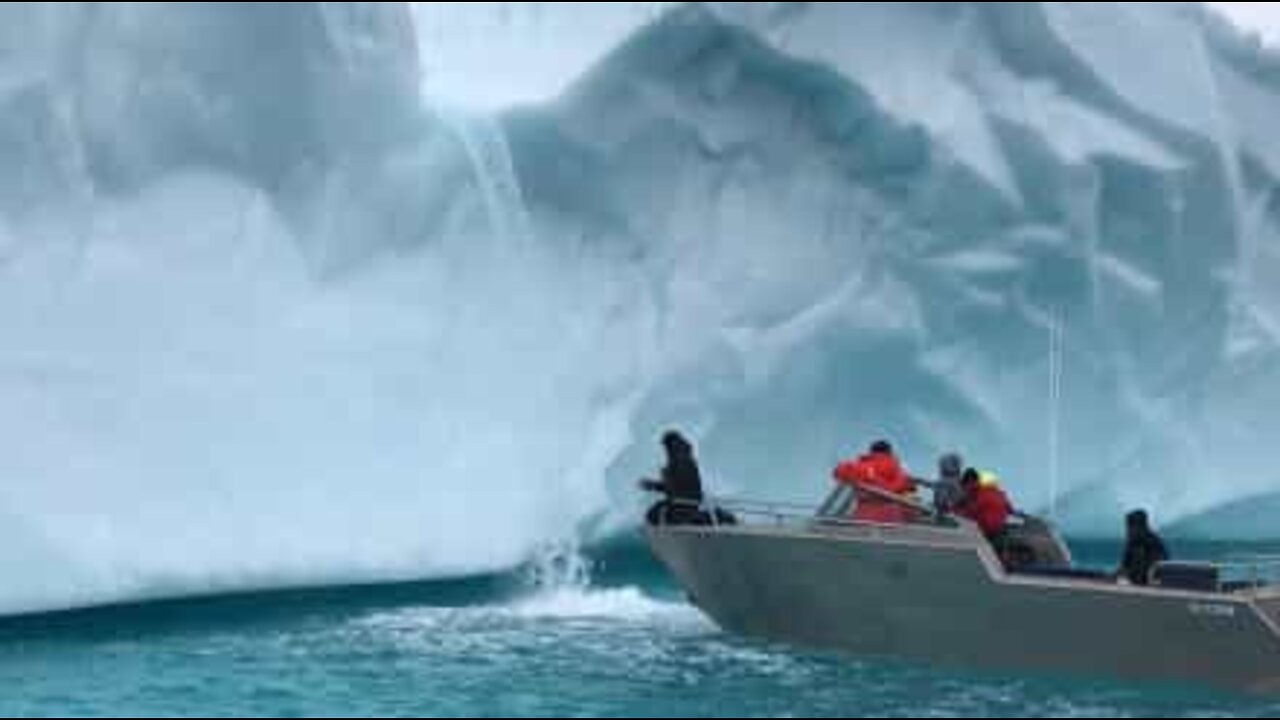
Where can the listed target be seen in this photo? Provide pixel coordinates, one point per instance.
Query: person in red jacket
(986, 504)
(875, 477)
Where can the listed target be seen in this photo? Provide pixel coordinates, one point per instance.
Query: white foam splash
(630, 605)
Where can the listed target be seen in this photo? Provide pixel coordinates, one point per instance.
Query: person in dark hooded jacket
(681, 483)
(1143, 550)
(681, 477)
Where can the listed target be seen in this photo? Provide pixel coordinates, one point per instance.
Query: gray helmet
(951, 465)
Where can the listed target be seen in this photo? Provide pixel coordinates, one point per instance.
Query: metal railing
(828, 514)
(786, 514)
(713, 511)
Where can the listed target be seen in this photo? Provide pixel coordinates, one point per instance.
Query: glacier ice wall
(868, 218)
(323, 292)
(268, 320)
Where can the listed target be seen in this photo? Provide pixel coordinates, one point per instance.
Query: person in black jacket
(681, 484)
(1143, 550)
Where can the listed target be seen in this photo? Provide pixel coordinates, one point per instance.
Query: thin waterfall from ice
(487, 147)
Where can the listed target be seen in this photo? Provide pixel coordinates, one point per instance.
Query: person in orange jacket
(985, 503)
(873, 476)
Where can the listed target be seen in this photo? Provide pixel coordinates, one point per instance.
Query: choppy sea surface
(624, 644)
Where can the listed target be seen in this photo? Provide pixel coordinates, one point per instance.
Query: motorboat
(935, 590)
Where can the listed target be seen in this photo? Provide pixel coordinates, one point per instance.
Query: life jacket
(881, 471)
(989, 507)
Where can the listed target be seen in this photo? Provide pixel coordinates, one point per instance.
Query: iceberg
(339, 292)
